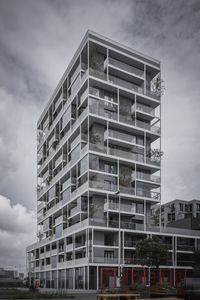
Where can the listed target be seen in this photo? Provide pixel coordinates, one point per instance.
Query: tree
(152, 253)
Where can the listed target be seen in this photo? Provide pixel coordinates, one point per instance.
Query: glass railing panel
(126, 67)
(127, 190)
(117, 81)
(126, 154)
(103, 185)
(147, 194)
(147, 177)
(152, 94)
(100, 107)
(122, 136)
(143, 108)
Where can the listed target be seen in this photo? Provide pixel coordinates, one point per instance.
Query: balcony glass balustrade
(120, 135)
(147, 177)
(152, 94)
(103, 185)
(126, 225)
(143, 108)
(123, 66)
(126, 154)
(112, 79)
(147, 194)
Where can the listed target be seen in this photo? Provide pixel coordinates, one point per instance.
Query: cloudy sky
(37, 41)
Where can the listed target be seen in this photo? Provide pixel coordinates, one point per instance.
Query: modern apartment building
(174, 212)
(99, 169)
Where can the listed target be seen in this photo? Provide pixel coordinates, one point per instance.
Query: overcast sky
(37, 40)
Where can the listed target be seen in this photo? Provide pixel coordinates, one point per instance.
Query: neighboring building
(10, 279)
(178, 213)
(99, 169)
(8, 274)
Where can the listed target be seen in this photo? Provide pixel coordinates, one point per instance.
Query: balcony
(147, 126)
(54, 252)
(127, 190)
(126, 225)
(138, 107)
(117, 81)
(41, 206)
(152, 95)
(60, 159)
(121, 137)
(81, 67)
(60, 220)
(79, 245)
(186, 248)
(147, 177)
(132, 261)
(79, 190)
(132, 226)
(153, 161)
(148, 194)
(74, 227)
(130, 243)
(122, 208)
(123, 66)
(105, 260)
(126, 154)
(101, 185)
(69, 247)
(74, 211)
(103, 108)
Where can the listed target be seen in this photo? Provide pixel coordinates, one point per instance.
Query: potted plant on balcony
(92, 210)
(94, 138)
(125, 176)
(155, 154)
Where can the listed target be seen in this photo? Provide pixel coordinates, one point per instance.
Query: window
(181, 206)
(198, 207)
(140, 208)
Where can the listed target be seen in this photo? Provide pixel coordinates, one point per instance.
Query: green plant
(124, 112)
(73, 112)
(69, 156)
(94, 138)
(155, 154)
(165, 285)
(125, 176)
(156, 217)
(92, 209)
(157, 86)
(133, 117)
(151, 252)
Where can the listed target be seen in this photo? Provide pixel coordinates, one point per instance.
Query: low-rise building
(177, 213)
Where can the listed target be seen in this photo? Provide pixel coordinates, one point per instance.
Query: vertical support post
(97, 277)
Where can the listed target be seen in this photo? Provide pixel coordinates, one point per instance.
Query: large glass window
(69, 279)
(79, 278)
